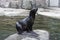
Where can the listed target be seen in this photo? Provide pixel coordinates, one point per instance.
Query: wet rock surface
(35, 35)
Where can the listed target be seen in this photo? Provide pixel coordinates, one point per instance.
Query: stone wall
(26, 4)
(5, 3)
(41, 3)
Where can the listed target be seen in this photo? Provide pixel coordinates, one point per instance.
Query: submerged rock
(35, 35)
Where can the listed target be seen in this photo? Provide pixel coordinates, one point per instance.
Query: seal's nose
(35, 9)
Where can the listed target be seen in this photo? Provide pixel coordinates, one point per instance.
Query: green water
(7, 26)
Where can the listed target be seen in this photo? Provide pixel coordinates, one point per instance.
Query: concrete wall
(54, 3)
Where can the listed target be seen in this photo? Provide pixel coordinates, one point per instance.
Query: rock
(35, 35)
(20, 3)
(13, 12)
(49, 13)
(26, 4)
(41, 3)
(4, 5)
(13, 4)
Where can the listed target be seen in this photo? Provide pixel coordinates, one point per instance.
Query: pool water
(7, 26)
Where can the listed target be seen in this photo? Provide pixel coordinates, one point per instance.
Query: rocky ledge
(35, 35)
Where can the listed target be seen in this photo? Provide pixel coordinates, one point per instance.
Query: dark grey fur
(27, 23)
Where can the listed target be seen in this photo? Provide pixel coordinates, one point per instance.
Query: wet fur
(26, 23)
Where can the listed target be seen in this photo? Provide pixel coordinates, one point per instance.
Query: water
(7, 26)
(51, 25)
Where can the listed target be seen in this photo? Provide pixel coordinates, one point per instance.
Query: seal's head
(33, 11)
